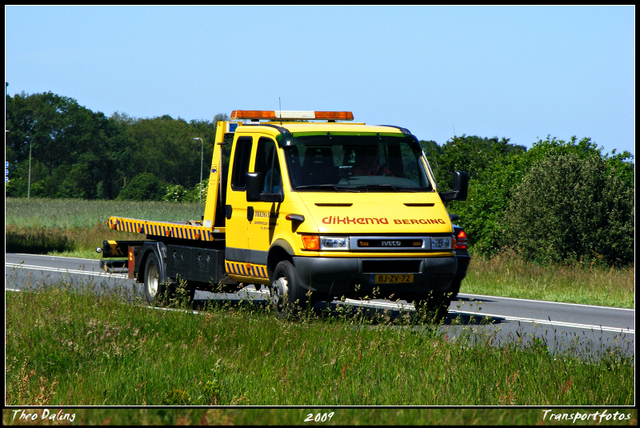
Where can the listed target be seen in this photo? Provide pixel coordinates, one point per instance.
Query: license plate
(391, 279)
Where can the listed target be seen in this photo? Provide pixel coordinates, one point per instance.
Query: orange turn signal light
(311, 242)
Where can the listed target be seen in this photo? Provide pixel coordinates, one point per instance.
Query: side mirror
(254, 179)
(460, 188)
(254, 190)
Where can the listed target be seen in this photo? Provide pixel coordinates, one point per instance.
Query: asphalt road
(563, 327)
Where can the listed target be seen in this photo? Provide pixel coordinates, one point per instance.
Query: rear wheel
(285, 290)
(154, 286)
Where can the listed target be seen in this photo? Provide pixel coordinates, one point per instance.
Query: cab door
(250, 225)
(260, 230)
(236, 210)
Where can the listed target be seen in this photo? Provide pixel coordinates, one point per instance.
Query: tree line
(76, 153)
(560, 201)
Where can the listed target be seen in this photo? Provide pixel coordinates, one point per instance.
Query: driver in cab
(367, 162)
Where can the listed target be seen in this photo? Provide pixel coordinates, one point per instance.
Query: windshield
(356, 163)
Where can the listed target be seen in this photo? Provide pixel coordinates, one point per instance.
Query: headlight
(325, 243)
(334, 243)
(441, 243)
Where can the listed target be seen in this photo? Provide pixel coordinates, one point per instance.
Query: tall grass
(72, 227)
(74, 241)
(511, 276)
(66, 347)
(48, 213)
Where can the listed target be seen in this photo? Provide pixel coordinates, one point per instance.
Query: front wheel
(455, 289)
(286, 293)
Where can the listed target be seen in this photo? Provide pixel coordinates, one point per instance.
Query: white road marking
(549, 322)
(481, 297)
(63, 270)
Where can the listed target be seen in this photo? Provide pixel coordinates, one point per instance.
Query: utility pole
(6, 163)
(29, 189)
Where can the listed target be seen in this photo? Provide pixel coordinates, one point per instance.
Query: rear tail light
(461, 240)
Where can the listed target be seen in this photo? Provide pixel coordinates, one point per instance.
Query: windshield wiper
(326, 187)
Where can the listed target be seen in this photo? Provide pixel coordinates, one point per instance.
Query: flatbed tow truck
(314, 207)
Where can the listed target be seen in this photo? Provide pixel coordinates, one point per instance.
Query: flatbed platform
(191, 230)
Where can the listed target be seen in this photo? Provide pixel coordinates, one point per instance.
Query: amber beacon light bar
(291, 115)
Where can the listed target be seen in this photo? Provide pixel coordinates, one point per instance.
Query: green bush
(482, 214)
(177, 193)
(570, 207)
(467, 153)
(143, 187)
(193, 195)
(174, 193)
(560, 201)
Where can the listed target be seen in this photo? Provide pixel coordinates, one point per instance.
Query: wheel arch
(280, 250)
(157, 248)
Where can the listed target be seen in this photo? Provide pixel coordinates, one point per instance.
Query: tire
(154, 285)
(192, 292)
(455, 289)
(286, 294)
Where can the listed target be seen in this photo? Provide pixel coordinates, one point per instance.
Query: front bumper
(356, 276)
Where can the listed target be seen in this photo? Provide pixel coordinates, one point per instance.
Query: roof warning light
(291, 115)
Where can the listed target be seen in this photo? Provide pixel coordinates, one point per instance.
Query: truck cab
(320, 210)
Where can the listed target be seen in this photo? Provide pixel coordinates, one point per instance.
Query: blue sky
(516, 72)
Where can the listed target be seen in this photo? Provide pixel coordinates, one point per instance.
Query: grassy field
(50, 213)
(510, 276)
(74, 228)
(66, 347)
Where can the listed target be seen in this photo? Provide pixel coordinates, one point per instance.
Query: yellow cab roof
(304, 127)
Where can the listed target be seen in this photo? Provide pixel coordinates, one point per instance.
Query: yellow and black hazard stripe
(246, 269)
(164, 229)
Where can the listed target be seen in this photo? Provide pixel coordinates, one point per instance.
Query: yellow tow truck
(314, 207)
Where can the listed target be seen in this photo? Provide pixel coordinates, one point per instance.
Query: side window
(241, 163)
(267, 164)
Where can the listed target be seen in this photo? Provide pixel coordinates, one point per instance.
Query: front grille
(412, 244)
(397, 243)
(391, 266)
